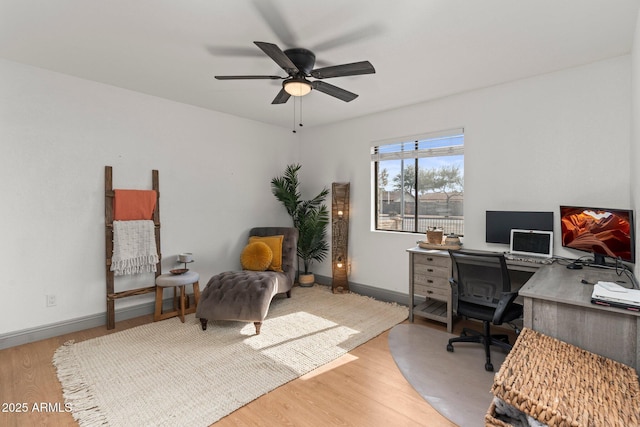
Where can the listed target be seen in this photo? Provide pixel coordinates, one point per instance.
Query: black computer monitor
(500, 223)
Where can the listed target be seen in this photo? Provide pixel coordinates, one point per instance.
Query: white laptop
(531, 243)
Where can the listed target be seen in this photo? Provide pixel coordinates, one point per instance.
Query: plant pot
(306, 280)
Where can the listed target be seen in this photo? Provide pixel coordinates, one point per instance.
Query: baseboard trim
(38, 333)
(370, 291)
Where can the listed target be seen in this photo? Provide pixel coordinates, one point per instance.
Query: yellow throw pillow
(256, 256)
(275, 243)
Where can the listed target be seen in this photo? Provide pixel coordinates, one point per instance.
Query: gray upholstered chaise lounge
(246, 295)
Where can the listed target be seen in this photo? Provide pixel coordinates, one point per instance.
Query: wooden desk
(555, 301)
(429, 273)
(557, 304)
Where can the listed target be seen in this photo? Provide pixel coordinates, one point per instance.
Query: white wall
(57, 133)
(635, 132)
(566, 135)
(533, 144)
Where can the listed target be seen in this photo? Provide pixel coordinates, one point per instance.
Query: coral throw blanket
(134, 247)
(133, 204)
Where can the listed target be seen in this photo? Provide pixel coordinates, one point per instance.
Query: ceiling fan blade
(334, 91)
(281, 97)
(249, 52)
(278, 56)
(273, 18)
(248, 77)
(352, 36)
(354, 69)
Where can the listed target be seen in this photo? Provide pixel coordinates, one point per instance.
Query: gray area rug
(455, 384)
(168, 373)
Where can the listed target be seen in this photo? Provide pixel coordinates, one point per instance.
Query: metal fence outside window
(447, 224)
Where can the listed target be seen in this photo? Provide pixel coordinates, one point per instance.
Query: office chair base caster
(516, 329)
(488, 367)
(450, 348)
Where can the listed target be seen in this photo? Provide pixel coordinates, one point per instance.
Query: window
(432, 197)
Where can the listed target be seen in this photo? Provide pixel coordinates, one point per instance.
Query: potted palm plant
(310, 218)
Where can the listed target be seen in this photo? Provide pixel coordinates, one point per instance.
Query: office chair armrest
(505, 301)
(454, 294)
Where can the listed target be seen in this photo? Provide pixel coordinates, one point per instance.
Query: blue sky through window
(436, 161)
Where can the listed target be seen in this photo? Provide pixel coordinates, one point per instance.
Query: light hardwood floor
(362, 388)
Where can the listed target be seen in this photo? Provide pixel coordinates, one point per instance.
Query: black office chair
(482, 291)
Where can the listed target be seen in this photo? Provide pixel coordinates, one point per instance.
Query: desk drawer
(420, 271)
(432, 260)
(431, 292)
(431, 281)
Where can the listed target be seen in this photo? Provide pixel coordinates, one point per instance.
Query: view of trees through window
(432, 197)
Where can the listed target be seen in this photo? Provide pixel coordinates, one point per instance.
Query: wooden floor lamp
(340, 237)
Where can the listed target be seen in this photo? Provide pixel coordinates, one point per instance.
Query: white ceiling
(421, 49)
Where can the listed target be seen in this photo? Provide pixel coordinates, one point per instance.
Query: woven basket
(434, 236)
(562, 385)
(490, 419)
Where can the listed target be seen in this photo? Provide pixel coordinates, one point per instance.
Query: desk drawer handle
(430, 270)
(429, 281)
(429, 292)
(429, 259)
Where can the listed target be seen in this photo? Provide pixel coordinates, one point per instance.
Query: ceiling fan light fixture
(297, 87)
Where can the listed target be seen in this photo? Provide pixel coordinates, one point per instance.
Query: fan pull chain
(294, 114)
(301, 112)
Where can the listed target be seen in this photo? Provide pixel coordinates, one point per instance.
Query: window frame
(396, 149)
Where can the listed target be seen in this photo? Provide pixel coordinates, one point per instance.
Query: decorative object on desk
(340, 237)
(434, 236)
(310, 218)
(441, 246)
(201, 369)
(452, 240)
(179, 271)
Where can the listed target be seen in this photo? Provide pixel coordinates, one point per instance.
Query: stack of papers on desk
(613, 295)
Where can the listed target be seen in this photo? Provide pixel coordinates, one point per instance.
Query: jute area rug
(169, 373)
(455, 384)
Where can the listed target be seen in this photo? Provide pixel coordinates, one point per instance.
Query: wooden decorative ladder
(109, 195)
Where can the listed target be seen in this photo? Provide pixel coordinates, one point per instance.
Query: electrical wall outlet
(51, 300)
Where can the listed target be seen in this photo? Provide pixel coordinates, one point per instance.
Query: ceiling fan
(298, 63)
